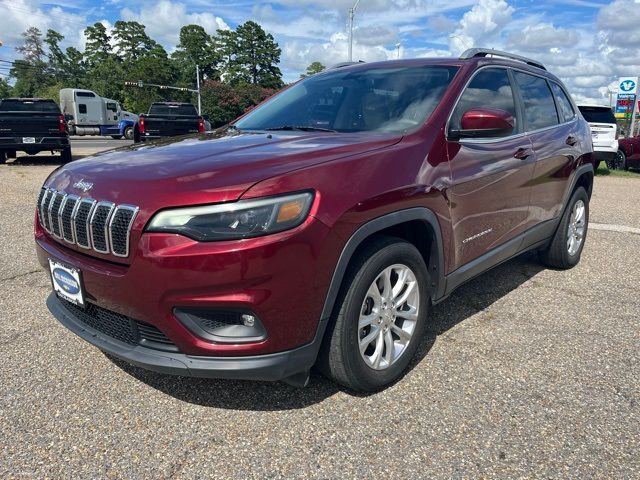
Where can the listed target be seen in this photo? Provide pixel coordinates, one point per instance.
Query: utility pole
(352, 12)
(198, 88)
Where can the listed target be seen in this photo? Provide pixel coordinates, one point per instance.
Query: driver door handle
(523, 153)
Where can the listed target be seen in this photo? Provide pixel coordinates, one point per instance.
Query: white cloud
(164, 19)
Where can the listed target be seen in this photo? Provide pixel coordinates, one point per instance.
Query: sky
(587, 43)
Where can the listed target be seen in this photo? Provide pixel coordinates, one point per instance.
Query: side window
(112, 106)
(539, 107)
(490, 88)
(82, 108)
(565, 109)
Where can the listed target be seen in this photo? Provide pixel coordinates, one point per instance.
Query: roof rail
(343, 64)
(485, 52)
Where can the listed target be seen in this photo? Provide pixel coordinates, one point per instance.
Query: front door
(491, 177)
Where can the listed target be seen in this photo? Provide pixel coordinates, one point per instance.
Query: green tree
(312, 69)
(196, 47)
(32, 49)
(224, 102)
(98, 47)
(255, 58)
(5, 89)
(131, 41)
(31, 72)
(153, 67)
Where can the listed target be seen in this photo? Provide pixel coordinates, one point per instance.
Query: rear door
(491, 177)
(551, 124)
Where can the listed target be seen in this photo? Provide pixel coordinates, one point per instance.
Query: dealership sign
(627, 90)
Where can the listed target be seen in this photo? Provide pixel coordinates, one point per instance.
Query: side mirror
(484, 123)
(68, 118)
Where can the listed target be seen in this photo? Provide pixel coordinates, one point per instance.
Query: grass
(604, 171)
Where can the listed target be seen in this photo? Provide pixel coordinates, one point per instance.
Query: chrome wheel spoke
(387, 289)
(411, 314)
(366, 341)
(366, 320)
(376, 358)
(404, 335)
(405, 295)
(389, 347)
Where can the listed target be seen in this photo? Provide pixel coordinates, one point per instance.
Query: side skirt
(533, 238)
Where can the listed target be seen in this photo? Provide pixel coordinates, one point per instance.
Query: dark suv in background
(319, 228)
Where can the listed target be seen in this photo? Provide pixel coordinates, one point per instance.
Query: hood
(207, 168)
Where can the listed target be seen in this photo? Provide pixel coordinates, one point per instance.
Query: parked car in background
(323, 224)
(604, 132)
(170, 119)
(32, 125)
(628, 153)
(90, 114)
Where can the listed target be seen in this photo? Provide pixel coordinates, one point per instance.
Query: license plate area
(28, 140)
(67, 282)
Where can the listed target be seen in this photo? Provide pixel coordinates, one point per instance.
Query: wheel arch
(419, 226)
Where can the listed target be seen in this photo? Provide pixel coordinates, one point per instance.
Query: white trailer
(90, 114)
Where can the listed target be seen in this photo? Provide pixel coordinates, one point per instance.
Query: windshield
(598, 114)
(173, 110)
(387, 100)
(29, 106)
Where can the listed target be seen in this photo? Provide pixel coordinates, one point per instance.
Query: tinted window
(597, 114)
(29, 106)
(346, 100)
(82, 108)
(565, 109)
(177, 109)
(490, 88)
(85, 94)
(539, 108)
(112, 106)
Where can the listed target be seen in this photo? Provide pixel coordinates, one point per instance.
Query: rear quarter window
(565, 108)
(29, 106)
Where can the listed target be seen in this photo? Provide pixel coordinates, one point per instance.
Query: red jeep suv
(319, 228)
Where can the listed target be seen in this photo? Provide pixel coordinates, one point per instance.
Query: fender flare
(376, 225)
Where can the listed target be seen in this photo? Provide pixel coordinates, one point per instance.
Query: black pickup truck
(169, 119)
(32, 125)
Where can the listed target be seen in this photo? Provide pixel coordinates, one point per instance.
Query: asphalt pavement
(524, 373)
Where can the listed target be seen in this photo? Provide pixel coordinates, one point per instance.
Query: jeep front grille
(100, 226)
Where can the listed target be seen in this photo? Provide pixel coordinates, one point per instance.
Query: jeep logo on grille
(82, 185)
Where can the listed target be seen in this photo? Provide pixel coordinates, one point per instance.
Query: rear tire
(621, 161)
(374, 335)
(566, 246)
(66, 156)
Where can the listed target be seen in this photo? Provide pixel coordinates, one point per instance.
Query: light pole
(198, 89)
(461, 38)
(398, 45)
(352, 12)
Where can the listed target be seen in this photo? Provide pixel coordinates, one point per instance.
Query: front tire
(381, 318)
(567, 243)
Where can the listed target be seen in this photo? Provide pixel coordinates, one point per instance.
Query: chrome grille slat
(54, 208)
(120, 229)
(100, 226)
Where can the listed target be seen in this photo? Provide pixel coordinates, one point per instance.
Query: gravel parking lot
(524, 372)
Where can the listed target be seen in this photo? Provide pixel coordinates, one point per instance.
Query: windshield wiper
(302, 128)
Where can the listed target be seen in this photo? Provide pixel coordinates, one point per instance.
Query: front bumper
(269, 367)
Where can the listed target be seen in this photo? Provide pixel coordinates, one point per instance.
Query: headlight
(230, 221)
